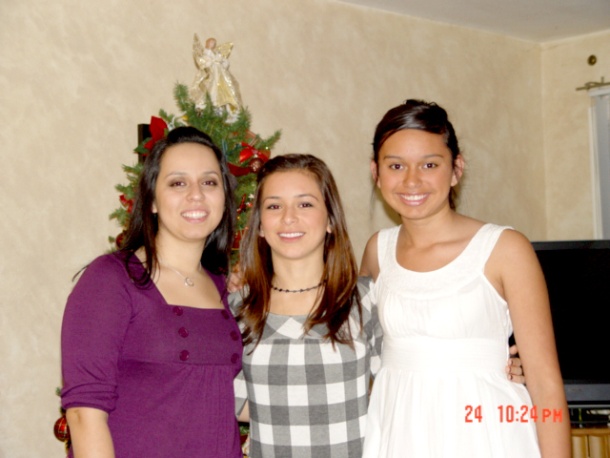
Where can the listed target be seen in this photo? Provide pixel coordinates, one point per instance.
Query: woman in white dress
(450, 289)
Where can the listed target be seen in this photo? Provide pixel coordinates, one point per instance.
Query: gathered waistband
(444, 355)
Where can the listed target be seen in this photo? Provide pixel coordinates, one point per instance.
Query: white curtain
(600, 123)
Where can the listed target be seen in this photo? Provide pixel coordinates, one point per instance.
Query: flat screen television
(577, 274)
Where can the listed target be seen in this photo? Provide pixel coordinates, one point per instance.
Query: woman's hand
(235, 281)
(514, 369)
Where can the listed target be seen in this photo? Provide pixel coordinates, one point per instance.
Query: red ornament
(61, 430)
(242, 205)
(119, 240)
(237, 240)
(255, 165)
(250, 160)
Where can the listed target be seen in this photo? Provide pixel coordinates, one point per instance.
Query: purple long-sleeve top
(163, 373)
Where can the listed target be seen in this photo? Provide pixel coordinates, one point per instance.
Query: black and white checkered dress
(306, 398)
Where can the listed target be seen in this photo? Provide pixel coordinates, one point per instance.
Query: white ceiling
(531, 20)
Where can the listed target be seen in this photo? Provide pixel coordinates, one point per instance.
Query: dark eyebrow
(394, 157)
(298, 196)
(181, 173)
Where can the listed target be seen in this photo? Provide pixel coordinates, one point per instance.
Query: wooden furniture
(590, 442)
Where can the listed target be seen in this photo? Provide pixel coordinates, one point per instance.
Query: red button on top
(178, 311)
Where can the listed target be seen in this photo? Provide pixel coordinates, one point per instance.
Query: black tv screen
(577, 274)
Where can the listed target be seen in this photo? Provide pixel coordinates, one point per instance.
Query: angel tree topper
(214, 78)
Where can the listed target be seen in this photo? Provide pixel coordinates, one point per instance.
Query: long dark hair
(419, 115)
(143, 224)
(340, 273)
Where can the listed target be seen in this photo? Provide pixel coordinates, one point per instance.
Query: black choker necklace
(282, 290)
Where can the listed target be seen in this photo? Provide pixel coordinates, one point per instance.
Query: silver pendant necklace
(188, 281)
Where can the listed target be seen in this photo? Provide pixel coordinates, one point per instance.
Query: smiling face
(189, 196)
(415, 173)
(293, 215)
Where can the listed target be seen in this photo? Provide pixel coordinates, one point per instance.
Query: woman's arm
(89, 433)
(372, 326)
(96, 318)
(369, 267)
(244, 415)
(516, 273)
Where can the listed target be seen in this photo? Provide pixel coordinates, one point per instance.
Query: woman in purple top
(149, 348)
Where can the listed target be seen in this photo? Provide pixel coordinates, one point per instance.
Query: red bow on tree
(157, 132)
(127, 203)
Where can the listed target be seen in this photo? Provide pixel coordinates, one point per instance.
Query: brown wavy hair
(340, 275)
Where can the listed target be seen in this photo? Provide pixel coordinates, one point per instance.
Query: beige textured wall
(76, 78)
(566, 135)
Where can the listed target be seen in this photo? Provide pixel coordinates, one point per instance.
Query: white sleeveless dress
(442, 391)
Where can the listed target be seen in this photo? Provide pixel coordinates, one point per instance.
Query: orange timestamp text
(515, 414)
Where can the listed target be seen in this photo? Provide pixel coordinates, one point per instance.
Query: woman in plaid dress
(311, 334)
